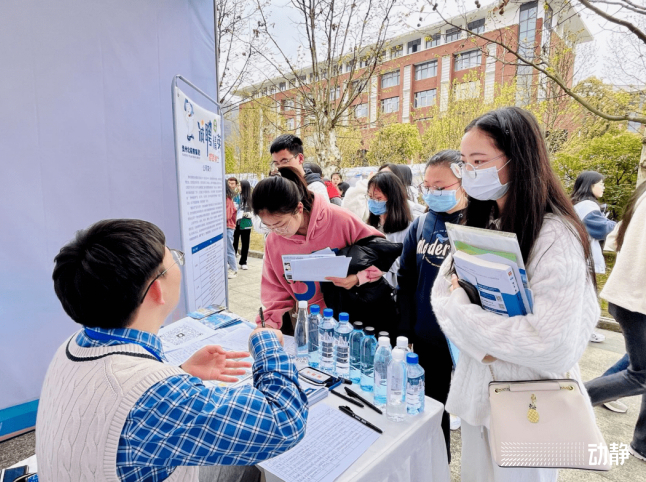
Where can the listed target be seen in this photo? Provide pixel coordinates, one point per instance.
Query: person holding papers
(507, 175)
(300, 222)
(389, 212)
(112, 409)
(426, 246)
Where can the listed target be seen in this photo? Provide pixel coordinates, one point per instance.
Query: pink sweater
(330, 226)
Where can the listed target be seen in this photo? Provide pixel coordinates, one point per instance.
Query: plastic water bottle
(396, 404)
(382, 359)
(383, 333)
(342, 345)
(326, 341)
(355, 352)
(368, 348)
(414, 385)
(313, 322)
(402, 344)
(300, 332)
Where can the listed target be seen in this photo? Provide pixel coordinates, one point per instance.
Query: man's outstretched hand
(213, 362)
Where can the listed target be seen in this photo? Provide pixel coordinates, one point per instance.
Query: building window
(468, 60)
(433, 40)
(453, 34)
(282, 86)
(414, 46)
(288, 104)
(349, 66)
(272, 90)
(334, 93)
(390, 105)
(549, 14)
(397, 51)
(467, 90)
(477, 26)
(290, 124)
(361, 110)
(424, 98)
(358, 86)
(527, 28)
(302, 78)
(426, 70)
(364, 62)
(390, 79)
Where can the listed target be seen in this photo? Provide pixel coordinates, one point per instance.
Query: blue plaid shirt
(179, 421)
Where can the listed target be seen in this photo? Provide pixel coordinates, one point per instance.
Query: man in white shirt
(287, 150)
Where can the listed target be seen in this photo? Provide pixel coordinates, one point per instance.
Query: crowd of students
(133, 417)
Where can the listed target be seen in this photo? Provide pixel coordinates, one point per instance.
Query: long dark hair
(628, 214)
(534, 189)
(406, 174)
(282, 193)
(398, 215)
(229, 191)
(582, 190)
(245, 195)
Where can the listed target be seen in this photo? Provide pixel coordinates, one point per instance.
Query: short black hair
(343, 187)
(314, 167)
(100, 276)
(287, 141)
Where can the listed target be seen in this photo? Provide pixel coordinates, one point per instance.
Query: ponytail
(281, 194)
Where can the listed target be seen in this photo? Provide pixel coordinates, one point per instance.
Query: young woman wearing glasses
(507, 174)
(425, 247)
(300, 222)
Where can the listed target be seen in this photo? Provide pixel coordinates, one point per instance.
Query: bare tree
(626, 16)
(343, 47)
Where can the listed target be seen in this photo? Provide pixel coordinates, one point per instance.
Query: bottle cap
(344, 317)
(369, 330)
(328, 313)
(384, 333)
(314, 309)
(402, 342)
(412, 358)
(398, 355)
(358, 325)
(384, 341)
(302, 304)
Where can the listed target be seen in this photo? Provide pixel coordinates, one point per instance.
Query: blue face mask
(443, 203)
(377, 207)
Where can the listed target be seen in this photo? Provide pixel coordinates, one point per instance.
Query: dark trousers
(435, 359)
(244, 235)
(632, 380)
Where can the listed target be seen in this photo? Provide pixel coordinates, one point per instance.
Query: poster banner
(200, 175)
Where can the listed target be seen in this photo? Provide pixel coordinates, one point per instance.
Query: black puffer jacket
(372, 303)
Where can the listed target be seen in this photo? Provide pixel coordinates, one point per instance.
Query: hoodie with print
(330, 226)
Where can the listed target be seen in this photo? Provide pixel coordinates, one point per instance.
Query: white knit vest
(86, 398)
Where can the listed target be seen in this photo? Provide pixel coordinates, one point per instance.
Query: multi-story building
(420, 69)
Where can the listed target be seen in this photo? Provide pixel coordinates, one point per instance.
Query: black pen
(348, 411)
(348, 399)
(262, 317)
(354, 394)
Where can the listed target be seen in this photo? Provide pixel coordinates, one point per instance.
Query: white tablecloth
(408, 451)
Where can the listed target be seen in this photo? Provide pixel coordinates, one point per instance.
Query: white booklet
(316, 266)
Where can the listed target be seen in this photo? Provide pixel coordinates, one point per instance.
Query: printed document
(316, 266)
(332, 443)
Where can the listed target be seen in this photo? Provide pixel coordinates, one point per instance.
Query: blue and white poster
(200, 176)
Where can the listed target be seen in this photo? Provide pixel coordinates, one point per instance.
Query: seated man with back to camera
(111, 409)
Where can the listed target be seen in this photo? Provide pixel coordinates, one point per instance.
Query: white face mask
(484, 184)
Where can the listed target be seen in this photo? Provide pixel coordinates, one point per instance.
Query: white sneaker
(455, 422)
(597, 337)
(616, 406)
(636, 454)
(232, 274)
(244, 266)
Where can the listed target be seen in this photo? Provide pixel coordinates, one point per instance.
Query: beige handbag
(546, 424)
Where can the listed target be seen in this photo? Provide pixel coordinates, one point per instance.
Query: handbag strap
(493, 378)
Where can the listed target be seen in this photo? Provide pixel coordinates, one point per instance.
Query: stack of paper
(316, 266)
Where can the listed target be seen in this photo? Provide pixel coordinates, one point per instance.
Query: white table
(408, 451)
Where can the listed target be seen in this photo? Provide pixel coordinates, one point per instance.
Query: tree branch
(624, 23)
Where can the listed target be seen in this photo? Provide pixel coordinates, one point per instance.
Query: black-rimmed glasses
(178, 256)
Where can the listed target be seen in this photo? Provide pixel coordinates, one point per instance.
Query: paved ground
(244, 299)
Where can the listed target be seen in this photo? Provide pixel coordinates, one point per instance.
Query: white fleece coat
(545, 344)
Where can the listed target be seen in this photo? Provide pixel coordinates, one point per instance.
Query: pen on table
(347, 399)
(262, 317)
(354, 394)
(348, 411)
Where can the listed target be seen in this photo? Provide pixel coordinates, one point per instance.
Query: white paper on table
(183, 333)
(332, 443)
(317, 269)
(289, 344)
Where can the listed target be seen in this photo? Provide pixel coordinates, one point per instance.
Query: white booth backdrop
(85, 134)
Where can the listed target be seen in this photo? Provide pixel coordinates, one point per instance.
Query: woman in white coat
(511, 187)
